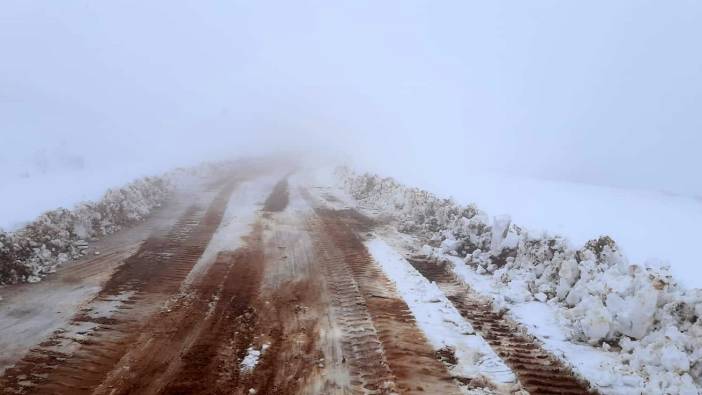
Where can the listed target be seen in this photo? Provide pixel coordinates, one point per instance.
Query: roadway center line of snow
(439, 320)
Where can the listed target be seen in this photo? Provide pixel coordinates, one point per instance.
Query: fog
(597, 92)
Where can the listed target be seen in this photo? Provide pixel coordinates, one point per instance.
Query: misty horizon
(597, 93)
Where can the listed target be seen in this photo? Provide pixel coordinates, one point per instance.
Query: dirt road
(254, 285)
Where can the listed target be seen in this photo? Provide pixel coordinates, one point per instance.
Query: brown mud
(299, 307)
(278, 199)
(76, 360)
(388, 353)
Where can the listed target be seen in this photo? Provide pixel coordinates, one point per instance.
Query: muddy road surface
(253, 284)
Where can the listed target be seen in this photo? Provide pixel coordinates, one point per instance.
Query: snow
(250, 360)
(236, 222)
(646, 224)
(500, 233)
(27, 192)
(26, 196)
(58, 235)
(603, 369)
(438, 319)
(635, 371)
(638, 313)
(252, 357)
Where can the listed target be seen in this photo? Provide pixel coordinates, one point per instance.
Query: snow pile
(57, 236)
(638, 310)
(60, 235)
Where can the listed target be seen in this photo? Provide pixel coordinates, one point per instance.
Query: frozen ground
(645, 224)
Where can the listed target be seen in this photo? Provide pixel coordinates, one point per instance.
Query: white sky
(599, 92)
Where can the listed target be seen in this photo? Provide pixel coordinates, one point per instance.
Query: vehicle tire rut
(386, 350)
(77, 359)
(538, 370)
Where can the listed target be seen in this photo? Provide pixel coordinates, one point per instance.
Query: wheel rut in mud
(150, 332)
(278, 199)
(77, 359)
(161, 264)
(538, 371)
(385, 350)
(203, 342)
(193, 346)
(298, 279)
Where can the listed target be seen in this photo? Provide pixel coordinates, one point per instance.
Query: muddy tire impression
(538, 371)
(297, 306)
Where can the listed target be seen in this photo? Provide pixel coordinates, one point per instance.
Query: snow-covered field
(28, 192)
(627, 328)
(646, 224)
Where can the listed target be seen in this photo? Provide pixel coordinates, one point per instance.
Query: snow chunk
(450, 245)
(252, 357)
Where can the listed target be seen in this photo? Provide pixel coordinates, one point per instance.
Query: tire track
(278, 199)
(361, 344)
(161, 264)
(198, 344)
(538, 371)
(387, 352)
(78, 358)
(208, 363)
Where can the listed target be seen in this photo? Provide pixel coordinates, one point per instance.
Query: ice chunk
(596, 321)
(252, 357)
(674, 360)
(450, 245)
(500, 228)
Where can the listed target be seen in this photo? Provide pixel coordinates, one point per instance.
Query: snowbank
(645, 223)
(607, 302)
(60, 235)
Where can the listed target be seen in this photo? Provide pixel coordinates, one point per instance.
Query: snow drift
(638, 310)
(61, 235)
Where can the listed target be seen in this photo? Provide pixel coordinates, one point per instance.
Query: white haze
(597, 92)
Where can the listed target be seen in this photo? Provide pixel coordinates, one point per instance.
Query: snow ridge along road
(626, 328)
